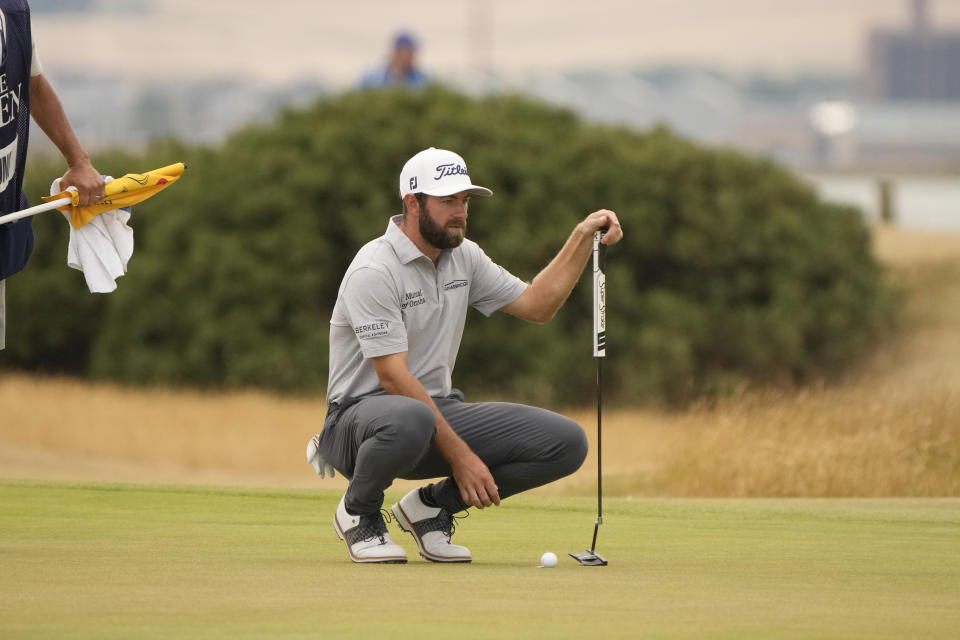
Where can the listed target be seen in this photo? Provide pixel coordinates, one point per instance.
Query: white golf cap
(438, 172)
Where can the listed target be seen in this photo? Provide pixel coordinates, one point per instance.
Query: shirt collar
(403, 246)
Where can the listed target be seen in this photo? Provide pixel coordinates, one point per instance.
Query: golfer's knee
(414, 424)
(574, 445)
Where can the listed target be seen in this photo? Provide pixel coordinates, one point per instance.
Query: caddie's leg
(373, 442)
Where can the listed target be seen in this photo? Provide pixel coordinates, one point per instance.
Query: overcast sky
(282, 40)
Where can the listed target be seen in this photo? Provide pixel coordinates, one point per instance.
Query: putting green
(144, 561)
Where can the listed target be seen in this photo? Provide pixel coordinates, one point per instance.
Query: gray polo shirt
(392, 299)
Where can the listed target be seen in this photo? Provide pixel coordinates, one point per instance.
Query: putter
(590, 558)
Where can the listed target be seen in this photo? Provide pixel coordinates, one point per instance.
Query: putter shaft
(596, 526)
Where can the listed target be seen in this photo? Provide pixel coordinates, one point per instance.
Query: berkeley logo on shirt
(371, 330)
(455, 284)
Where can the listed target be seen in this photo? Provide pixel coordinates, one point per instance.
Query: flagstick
(32, 211)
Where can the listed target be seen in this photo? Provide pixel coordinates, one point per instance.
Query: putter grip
(601, 250)
(599, 296)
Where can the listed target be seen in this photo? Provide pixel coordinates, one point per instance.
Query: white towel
(101, 248)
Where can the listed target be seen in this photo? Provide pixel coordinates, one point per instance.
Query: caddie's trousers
(376, 439)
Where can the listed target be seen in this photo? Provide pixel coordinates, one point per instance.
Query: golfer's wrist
(454, 450)
(583, 230)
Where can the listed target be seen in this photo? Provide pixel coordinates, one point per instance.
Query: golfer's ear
(411, 204)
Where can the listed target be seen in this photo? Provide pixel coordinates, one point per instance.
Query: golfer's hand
(87, 180)
(604, 218)
(477, 487)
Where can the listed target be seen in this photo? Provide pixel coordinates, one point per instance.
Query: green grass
(132, 561)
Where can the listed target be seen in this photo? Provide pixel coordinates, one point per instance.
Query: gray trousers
(377, 439)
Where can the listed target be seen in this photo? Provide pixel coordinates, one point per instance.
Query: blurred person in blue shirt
(401, 68)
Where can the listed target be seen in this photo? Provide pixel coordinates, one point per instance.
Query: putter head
(589, 558)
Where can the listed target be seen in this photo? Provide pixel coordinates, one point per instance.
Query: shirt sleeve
(372, 307)
(493, 286)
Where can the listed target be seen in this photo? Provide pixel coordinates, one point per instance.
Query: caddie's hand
(88, 181)
(477, 487)
(604, 218)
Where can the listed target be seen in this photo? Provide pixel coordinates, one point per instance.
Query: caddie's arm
(47, 111)
(477, 486)
(552, 286)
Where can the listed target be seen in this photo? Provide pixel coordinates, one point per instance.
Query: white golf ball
(549, 559)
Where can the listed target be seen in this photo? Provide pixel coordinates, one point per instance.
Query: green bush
(731, 271)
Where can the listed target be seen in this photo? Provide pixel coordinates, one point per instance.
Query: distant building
(918, 64)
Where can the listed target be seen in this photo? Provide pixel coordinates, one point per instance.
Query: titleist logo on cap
(450, 169)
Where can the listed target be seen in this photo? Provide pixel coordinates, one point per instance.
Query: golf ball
(549, 559)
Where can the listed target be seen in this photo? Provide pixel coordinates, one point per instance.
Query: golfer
(394, 335)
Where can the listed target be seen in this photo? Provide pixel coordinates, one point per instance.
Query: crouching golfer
(394, 336)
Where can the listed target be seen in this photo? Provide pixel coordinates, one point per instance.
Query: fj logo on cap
(413, 183)
(451, 169)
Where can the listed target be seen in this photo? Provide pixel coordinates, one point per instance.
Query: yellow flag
(123, 192)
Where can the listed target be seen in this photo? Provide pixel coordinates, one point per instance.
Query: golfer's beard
(441, 237)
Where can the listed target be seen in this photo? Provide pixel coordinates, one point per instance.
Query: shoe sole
(407, 526)
(373, 560)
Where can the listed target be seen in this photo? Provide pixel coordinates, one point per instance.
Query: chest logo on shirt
(371, 330)
(412, 299)
(454, 284)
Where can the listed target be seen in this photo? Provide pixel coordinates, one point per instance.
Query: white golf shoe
(366, 537)
(431, 527)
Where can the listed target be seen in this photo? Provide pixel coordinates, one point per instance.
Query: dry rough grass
(891, 429)
(65, 429)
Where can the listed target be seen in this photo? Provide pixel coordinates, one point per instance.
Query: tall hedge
(731, 272)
